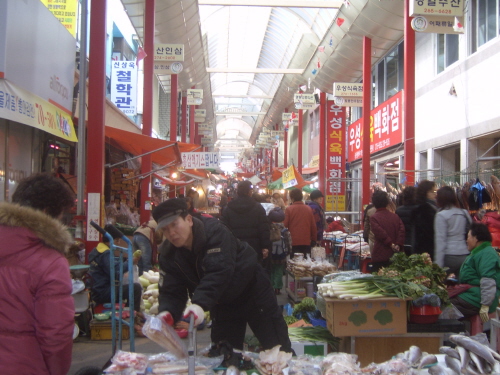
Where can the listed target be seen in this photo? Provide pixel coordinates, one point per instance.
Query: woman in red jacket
(37, 318)
(299, 220)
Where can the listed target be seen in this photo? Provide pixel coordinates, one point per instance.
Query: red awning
(195, 173)
(138, 144)
(277, 173)
(168, 181)
(244, 174)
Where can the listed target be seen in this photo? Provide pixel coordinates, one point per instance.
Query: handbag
(454, 290)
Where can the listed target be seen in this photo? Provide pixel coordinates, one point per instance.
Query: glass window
(19, 156)
(447, 50)
(391, 69)
(485, 22)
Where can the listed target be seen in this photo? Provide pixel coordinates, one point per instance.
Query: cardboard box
(101, 330)
(371, 317)
(311, 348)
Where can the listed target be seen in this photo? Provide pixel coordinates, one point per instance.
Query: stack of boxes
(123, 185)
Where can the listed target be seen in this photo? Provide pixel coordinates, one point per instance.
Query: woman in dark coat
(423, 218)
(405, 210)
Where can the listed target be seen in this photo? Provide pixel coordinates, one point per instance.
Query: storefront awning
(310, 170)
(195, 173)
(168, 181)
(138, 144)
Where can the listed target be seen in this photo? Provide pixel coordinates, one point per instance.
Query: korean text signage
(193, 160)
(348, 89)
(19, 105)
(386, 128)
(169, 52)
(453, 8)
(335, 157)
(160, 67)
(288, 177)
(437, 24)
(65, 11)
(304, 101)
(291, 118)
(124, 86)
(194, 96)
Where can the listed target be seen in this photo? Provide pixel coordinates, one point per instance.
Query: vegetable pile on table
(149, 281)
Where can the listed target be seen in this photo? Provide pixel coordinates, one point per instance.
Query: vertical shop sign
(288, 177)
(386, 128)
(335, 157)
(124, 86)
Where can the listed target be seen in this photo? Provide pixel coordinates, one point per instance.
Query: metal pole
(82, 84)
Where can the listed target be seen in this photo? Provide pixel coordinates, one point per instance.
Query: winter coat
(492, 221)
(37, 310)
(248, 221)
(219, 268)
(481, 268)
(450, 232)
(100, 272)
(423, 219)
(404, 213)
(319, 218)
(387, 229)
(299, 220)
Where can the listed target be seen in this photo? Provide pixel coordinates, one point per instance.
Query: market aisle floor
(97, 353)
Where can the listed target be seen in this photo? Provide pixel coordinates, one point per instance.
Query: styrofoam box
(309, 347)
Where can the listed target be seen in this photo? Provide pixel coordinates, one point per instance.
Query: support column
(285, 151)
(299, 141)
(276, 152)
(96, 120)
(322, 146)
(367, 99)
(409, 97)
(192, 130)
(184, 123)
(173, 120)
(147, 116)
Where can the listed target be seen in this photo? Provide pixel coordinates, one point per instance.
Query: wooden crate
(101, 330)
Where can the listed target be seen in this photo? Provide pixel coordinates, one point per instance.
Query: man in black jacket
(202, 258)
(248, 221)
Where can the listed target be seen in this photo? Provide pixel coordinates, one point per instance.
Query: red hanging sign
(335, 156)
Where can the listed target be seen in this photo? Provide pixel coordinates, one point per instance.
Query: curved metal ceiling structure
(248, 39)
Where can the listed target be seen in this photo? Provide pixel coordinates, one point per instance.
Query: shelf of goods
(296, 288)
(124, 185)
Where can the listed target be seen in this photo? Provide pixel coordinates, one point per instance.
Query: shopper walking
(451, 226)
(299, 220)
(316, 203)
(220, 274)
(37, 310)
(388, 231)
(423, 218)
(277, 200)
(248, 221)
(281, 247)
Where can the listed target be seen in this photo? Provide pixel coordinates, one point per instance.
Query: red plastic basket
(425, 314)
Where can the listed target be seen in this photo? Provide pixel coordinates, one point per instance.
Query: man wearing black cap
(221, 274)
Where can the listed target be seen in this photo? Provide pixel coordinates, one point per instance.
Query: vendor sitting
(334, 225)
(481, 270)
(101, 277)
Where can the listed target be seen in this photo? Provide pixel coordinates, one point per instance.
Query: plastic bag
(164, 335)
(123, 361)
(451, 312)
(306, 364)
(136, 276)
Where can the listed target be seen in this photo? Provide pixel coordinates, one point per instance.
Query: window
(447, 50)
(485, 22)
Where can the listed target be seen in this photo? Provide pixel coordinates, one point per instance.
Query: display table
(298, 283)
(428, 337)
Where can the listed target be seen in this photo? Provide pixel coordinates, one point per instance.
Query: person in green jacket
(481, 269)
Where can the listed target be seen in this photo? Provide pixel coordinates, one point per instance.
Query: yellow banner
(335, 203)
(288, 178)
(17, 104)
(66, 11)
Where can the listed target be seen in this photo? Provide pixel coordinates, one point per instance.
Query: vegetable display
(149, 281)
(313, 334)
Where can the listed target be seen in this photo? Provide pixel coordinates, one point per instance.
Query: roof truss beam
(275, 3)
(255, 70)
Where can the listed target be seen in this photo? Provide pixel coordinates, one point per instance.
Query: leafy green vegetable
(313, 334)
(290, 319)
(358, 318)
(301, 309)
(384, 316)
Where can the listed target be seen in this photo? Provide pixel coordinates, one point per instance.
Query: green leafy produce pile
(290, 319)
(420, 274)
(301, 309)
(313, 334)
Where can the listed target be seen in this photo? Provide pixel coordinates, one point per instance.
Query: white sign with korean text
(206, 141)
(202, 160)
(454, 8)
(200, 113)
(436, 24)
(205, 127)
(169, 52)
(160, 67)
(348, 89)
(304, 98)
(124, 86)
(348, 102)
(194, 96)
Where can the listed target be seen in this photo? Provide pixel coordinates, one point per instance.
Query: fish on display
(475, 347)
(428, 359)
(449, 351)
(453, 363)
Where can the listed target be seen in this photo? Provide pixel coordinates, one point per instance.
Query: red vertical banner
(335, 157)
